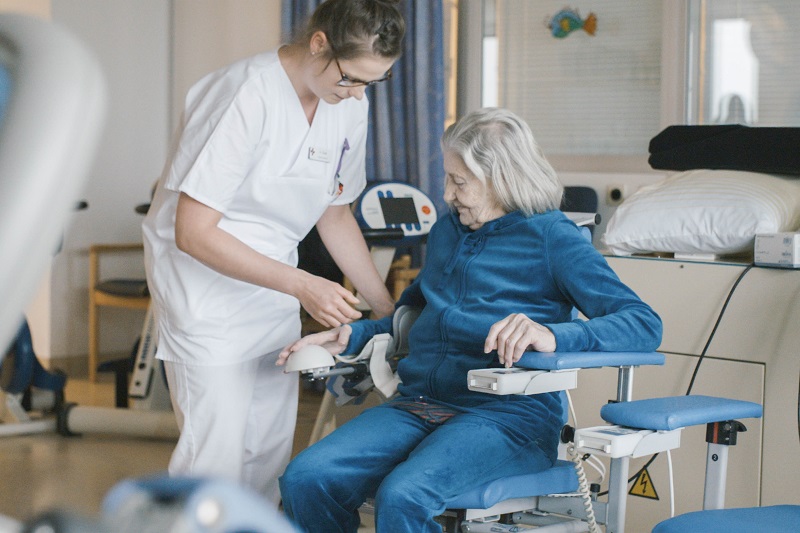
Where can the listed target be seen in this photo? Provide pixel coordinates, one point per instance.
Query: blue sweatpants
(412, 468)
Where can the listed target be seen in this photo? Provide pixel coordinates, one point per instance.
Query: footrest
(664, 414)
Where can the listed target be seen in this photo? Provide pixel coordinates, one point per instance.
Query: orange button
(426, 209)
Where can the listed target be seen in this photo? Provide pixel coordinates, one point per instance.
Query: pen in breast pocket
(336, 186)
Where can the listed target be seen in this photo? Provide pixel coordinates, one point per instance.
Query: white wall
(131, 39)
(209, 34)
(603, 183)
(151, 51)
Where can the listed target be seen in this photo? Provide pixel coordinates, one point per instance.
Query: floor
(47, 471)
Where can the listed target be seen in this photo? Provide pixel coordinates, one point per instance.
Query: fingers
(344, 335)
(329, 303)
(284, 355)
(494, 331)
(337, 317)
(290, 349)
(331, 340)
(512, 337)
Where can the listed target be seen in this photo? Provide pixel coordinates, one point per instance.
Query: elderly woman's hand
(516, 334)
(334, 340)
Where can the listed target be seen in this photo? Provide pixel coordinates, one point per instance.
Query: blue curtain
(406, 112)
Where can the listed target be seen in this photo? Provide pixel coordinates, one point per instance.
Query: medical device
(372, 369)
(395, 205)
(150, 412)
(392, 215)
(548, 498)
(620, 441)
(777, 250)
(174, 505)
(30, 394)
(520, 381)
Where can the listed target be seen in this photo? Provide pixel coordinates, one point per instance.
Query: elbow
(182, 242)
(185, 242)
(656, 330)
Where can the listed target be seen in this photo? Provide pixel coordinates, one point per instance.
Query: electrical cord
(583, 488)
(716, 325)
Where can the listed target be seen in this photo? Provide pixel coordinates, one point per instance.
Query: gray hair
(499, 149)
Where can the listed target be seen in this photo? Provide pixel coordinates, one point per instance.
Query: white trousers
(237, 421)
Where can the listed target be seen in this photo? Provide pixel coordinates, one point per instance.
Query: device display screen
(399, 211)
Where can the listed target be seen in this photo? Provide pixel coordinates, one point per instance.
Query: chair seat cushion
(561, 478)
(773, 519)
(124, 287)
(673, 412)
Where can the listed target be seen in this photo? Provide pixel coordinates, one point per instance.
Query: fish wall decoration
(568, 20)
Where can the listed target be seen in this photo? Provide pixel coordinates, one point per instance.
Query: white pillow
(704, 211)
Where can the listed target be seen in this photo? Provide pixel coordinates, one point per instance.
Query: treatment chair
(557, 499)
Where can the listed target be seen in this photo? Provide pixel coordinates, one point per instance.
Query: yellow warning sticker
(643, 486)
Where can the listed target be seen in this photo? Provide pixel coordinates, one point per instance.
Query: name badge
(318, 154)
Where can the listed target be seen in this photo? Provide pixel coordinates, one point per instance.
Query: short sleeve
(217, 146)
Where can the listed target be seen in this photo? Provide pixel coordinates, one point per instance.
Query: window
(582, 94)
(594, 102)
(744, 65)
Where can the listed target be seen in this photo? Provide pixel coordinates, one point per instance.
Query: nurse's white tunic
(247, 151)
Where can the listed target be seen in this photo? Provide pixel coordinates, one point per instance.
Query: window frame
(674, 78)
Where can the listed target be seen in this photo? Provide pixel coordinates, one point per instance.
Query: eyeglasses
(347, 81)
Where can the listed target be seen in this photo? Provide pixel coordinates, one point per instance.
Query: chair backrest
(580, 199)
(51, 111)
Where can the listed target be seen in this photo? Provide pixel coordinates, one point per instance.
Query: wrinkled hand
(516, 334)
(334, 340)
(327, 302)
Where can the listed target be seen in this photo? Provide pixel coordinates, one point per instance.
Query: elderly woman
(503, 271)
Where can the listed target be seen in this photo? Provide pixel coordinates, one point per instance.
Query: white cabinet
(754, 356)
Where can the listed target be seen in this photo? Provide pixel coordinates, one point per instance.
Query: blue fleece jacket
(540, 266)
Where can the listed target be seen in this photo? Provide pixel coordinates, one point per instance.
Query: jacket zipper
(474, 248)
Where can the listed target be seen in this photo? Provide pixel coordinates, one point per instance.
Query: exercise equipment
(149, 414)
(560, 498)
(170, 505)
(30, 394)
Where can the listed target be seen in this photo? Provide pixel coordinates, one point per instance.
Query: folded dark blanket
(770, 150)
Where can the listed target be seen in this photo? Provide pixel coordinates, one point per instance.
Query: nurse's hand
(334, 340)
(327, 302)
(516, 334)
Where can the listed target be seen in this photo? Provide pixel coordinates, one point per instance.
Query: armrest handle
(572, 360)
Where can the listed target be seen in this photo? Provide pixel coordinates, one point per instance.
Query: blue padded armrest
(666, 414)
(773, 519)
(572, 360)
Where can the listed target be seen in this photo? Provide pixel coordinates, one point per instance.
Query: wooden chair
(125, 293)
(401, 275)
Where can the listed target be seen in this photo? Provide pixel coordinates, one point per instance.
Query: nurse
(270, 146)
